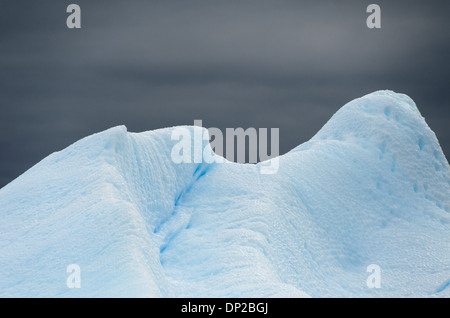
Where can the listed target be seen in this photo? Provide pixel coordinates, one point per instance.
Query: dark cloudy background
(153, 64)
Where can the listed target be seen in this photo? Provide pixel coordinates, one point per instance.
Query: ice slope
(371, 187)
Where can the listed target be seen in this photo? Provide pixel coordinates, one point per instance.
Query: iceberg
(371, 187)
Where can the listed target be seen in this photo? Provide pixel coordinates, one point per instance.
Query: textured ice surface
(371, 187)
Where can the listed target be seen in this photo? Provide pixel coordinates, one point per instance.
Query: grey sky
(153, 64)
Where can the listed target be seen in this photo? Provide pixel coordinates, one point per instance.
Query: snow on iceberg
(371, 187)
